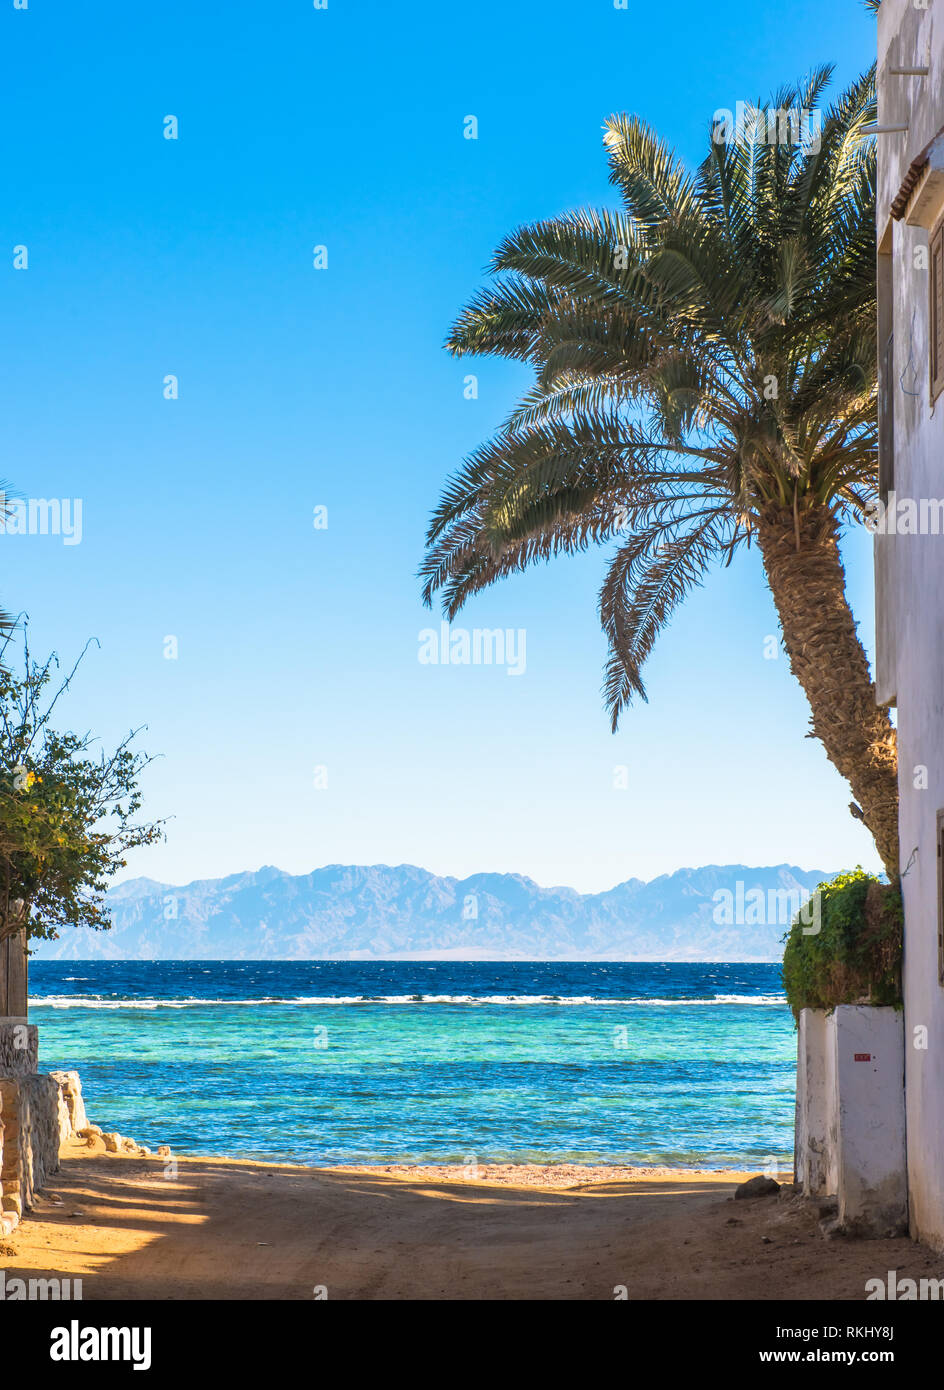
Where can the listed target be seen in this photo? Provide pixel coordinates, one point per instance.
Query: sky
(294, 721)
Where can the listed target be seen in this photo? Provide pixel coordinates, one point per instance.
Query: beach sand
(246, 1230)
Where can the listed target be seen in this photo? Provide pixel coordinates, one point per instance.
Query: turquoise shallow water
(329, 1062)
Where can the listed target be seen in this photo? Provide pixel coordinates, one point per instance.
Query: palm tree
(705, 363)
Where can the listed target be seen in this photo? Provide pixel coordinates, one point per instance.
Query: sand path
(246, 1230)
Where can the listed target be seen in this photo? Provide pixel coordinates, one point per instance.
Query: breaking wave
(93, 1001)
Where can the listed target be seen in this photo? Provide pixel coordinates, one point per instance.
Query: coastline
(626, 1064)
(549, 1175)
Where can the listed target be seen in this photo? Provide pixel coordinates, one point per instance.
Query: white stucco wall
(867, 1047)
(910, 593)
(815, 1149)
(850, 1128)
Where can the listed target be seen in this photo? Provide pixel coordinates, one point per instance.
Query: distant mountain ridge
(381, 912)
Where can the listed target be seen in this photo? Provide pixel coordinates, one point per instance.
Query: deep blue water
(379, 1061)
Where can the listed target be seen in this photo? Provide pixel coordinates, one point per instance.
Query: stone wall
(38, 1113)
(19, 1047)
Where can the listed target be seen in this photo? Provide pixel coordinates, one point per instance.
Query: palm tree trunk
(804, 570)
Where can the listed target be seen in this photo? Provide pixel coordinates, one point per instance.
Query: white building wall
(910, 584)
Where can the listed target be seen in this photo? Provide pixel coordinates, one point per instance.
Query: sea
(430, 1062)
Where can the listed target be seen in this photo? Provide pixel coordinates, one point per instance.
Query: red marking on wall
(863, 1056)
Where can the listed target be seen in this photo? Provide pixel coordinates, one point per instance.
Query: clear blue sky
(298, 648)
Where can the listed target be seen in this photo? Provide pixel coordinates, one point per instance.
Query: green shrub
(855, 955)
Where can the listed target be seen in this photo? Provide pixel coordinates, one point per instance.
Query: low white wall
(870, 1090)
(812, 1146)
(817, 1119)
(850, 1118)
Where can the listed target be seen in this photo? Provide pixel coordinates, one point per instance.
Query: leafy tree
(68, 814)
(705, 361)
(7, 623)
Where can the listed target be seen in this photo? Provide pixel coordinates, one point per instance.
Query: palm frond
(701, 353)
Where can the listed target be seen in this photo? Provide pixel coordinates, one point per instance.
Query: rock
(144, 1151)
(164, 1151)
(72, 1116)
(129, 1146)
(757, 1187)
(113, 1142)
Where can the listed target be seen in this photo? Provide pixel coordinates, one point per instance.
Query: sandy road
(243, 1230)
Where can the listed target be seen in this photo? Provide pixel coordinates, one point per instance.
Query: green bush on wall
(855, 956)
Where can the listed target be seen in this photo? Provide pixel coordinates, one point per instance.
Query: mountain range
(728, 912)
